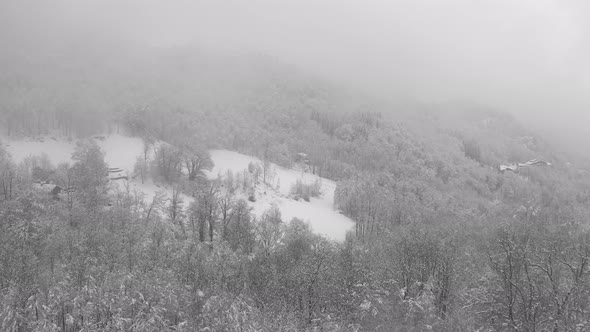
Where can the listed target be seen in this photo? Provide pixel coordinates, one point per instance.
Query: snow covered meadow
(122, 151)
(318, 212)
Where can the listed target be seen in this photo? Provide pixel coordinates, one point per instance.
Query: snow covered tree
(141, 168)
(197, 160)
(168, 162)
(89, 174)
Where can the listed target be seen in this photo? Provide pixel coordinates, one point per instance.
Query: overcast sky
(525, 56)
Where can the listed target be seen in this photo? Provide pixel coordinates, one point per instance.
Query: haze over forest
(523, 57)
(294, 165)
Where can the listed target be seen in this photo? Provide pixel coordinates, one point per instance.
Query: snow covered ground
(122, 151)
(57, 150)
(318, 212)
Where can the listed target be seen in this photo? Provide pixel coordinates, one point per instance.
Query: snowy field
(318, 212)
(122, 151)
(57, 151)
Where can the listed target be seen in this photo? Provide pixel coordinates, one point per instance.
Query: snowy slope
(57, 150)
(122, 151)
(318, 212)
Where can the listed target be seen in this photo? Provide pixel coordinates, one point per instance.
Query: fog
(526, 57)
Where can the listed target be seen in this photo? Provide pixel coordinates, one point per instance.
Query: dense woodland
(443, 240)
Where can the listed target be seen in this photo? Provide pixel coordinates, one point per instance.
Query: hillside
(121, 152)
(278, 191)
(431, 234)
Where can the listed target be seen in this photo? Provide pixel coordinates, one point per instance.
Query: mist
(525, 57)
(294, 165)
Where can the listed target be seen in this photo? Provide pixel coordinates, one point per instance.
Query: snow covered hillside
(318, 212)
(121, 153)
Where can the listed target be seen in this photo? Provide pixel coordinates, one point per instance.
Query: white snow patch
(57, 151)
(318, 212)
(120, 152)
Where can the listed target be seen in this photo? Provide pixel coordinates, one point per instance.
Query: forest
(442, 241)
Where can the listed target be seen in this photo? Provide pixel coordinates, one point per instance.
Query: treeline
(22, 122)
(49, 100)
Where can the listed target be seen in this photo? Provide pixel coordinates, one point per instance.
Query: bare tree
(141, 168)
(156, 203)
(196, 161)
(175, 208)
